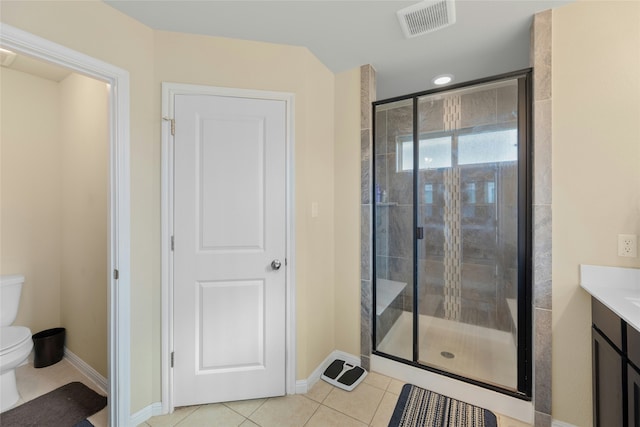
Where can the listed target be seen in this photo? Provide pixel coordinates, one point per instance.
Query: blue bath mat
(418, 407)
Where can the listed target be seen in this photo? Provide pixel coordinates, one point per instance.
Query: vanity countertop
(615, 287)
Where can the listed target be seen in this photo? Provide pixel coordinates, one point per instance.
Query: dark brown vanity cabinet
(616, 369)
(633, 376)
(634, 397)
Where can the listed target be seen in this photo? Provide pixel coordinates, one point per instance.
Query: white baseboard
(303, 386)
(145, 413)
(86, 370)
(556, 423)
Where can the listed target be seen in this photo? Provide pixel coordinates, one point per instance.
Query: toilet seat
(12, 337)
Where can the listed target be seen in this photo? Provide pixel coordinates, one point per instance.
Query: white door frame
(119, 209)
(169, 90)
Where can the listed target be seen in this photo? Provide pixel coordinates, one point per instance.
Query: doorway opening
(118, 216)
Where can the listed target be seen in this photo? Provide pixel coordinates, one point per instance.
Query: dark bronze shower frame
(525, 234)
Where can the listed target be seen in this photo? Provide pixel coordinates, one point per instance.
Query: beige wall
(225, 62)
(152, 57)
(595, 121)
(347, 217)
(596, 175)
(30, 194)
(84, 117)
(54, 205)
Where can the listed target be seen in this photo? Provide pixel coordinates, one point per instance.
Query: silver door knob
(276, 264)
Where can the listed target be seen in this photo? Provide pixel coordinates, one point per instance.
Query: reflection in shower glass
(433, 153)
(488, 147)
(447, 264)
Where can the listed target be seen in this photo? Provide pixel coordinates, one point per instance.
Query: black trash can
(48, 346)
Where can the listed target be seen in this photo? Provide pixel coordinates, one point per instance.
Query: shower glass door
(451, 233)
(394, 242)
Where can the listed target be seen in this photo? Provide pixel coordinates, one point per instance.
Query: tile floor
(370, 404)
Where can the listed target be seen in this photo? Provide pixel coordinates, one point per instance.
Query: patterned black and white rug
(418, 407)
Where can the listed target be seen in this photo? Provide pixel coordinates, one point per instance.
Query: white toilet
(15, 341)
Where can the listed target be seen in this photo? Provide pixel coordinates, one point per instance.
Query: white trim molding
(86, 370)
(169, 91)
(145, 413)
(556, 423)
(119, 343)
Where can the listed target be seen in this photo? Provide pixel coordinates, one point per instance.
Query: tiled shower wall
(367, 96)
(468, 272)
(541, 62)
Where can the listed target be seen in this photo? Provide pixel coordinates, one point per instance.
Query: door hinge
(116, 274)
(172, 243)
(420, 233)
(173, 125)
(172, 359)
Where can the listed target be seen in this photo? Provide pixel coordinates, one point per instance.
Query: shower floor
(483, 354)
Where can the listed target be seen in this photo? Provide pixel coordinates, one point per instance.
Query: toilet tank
(10, 288)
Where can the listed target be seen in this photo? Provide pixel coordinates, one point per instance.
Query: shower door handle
(276, 264)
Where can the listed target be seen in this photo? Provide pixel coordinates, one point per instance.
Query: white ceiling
(488, 38)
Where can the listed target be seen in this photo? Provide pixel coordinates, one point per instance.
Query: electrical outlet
(628, 245)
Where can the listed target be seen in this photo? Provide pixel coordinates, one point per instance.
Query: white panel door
(229, 234)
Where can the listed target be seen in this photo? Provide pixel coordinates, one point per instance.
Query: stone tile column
(367, 96)
(541, 36)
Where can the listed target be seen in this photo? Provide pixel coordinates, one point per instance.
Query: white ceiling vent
(427, 16)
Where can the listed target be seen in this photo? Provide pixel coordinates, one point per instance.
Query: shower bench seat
(388, 305)
(386, 292)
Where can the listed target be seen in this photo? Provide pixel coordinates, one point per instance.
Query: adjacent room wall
(53, 201)
(596, 175)
(84, 117)
(30, 194)
(54, 205)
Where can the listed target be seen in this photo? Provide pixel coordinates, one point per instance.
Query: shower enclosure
(452, 233)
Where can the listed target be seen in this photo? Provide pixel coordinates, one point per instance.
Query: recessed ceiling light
(442, 79)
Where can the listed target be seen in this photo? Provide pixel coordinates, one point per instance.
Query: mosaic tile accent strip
(452, 222)
(452, 113)
(452, 245)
